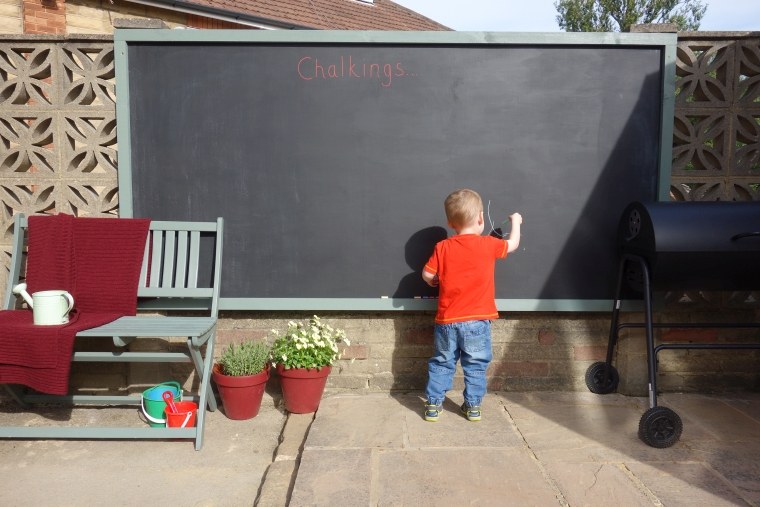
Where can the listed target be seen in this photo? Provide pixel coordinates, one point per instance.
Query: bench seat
(181, 271)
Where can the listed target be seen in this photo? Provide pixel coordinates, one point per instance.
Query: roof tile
(330, 14)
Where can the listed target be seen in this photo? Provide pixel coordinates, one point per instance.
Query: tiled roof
(327, 14)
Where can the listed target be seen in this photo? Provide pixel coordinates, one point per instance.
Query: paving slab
(543, 449)
(531, 448)
(227, 471)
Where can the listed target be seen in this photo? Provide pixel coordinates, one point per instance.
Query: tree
(619, 15)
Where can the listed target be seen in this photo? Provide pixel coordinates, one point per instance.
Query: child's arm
(514, 235)
(430, 278)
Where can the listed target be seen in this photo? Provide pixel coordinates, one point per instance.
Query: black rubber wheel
(595, 378)
(660, 427)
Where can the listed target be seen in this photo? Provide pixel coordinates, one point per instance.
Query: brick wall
(96, 16)
(90, 16)
(532, 351)
(44, 16)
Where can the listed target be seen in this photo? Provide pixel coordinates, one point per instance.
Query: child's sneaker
(472, 413)
(432, 412)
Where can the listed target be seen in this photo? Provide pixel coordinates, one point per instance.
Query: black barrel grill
(670, 246)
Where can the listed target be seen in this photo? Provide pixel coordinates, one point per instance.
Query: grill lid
(695, 245)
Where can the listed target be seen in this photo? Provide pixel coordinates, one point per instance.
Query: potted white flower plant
(303, 357)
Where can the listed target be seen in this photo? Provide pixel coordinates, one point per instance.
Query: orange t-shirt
(465, 268)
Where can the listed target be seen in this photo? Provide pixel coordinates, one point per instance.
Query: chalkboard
(330, 158)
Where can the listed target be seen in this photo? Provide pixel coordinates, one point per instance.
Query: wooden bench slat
(194, 255)
(152, 327)
(181, 261)
(169, 278)
(170, 239)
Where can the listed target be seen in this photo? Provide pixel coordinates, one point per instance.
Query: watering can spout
(20, 289)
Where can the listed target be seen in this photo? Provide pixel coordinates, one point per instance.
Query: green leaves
(248, 358)
(308, 344)
(620, 15)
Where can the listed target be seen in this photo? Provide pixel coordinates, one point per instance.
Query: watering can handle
(70, 299)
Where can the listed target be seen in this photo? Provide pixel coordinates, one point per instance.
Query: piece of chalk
(383, 297)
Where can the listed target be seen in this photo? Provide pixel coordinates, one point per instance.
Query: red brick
(227, 336)
(44, 16)
(589, 352)
(418, 335)
(690, 335)
(51, 16)
(546, 337)
(514, 368)
(33, 10)
(355, 352)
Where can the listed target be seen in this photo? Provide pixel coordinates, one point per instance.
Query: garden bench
(178, 296)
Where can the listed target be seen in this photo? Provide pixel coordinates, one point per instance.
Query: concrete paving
(530, 449)
(227, 471)
(540, 449)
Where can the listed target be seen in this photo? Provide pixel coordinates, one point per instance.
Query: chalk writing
(495, 231)
(346, 67)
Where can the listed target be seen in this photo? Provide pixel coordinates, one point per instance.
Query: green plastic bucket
(153, 404)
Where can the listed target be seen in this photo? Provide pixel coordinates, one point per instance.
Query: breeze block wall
(58, 153)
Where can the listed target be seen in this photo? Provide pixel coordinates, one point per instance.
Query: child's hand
(515, 218)
(434, 281)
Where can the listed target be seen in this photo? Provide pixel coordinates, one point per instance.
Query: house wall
(11, 20)
(89, 16)
(96, 16)
(59, 154)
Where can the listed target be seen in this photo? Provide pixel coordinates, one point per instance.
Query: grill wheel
(660, 427)
(595, 378)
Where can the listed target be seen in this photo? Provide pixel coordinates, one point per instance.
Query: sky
(541, 15)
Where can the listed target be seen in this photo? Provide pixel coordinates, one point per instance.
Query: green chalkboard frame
(665, 42)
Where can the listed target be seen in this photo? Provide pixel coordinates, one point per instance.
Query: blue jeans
(468, 342)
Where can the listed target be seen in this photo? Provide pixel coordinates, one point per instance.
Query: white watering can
(49, 307)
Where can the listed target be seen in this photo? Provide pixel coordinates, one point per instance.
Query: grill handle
(737, 237)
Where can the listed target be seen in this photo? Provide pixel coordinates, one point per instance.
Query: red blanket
(98, 261)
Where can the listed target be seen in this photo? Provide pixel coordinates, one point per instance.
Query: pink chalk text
(311, 68)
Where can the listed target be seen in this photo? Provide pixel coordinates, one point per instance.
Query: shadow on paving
(530, 449)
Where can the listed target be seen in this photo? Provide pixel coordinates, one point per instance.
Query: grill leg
(602, 377)
(651, 356)
(612, 342)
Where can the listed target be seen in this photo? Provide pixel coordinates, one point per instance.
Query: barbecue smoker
(679, 246)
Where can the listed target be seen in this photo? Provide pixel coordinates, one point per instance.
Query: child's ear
(480, 218)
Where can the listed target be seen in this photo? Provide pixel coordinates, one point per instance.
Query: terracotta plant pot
(302, 388)
(241, 395)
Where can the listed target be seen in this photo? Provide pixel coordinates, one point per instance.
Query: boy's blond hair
(463, 207)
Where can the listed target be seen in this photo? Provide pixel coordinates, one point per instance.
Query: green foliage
(309, 344)
(619, 15)
(248, 358)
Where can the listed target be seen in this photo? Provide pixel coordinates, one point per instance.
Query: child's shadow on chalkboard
(417, 251)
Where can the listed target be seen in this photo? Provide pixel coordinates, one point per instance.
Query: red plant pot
(302, 388)
(241, 396)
